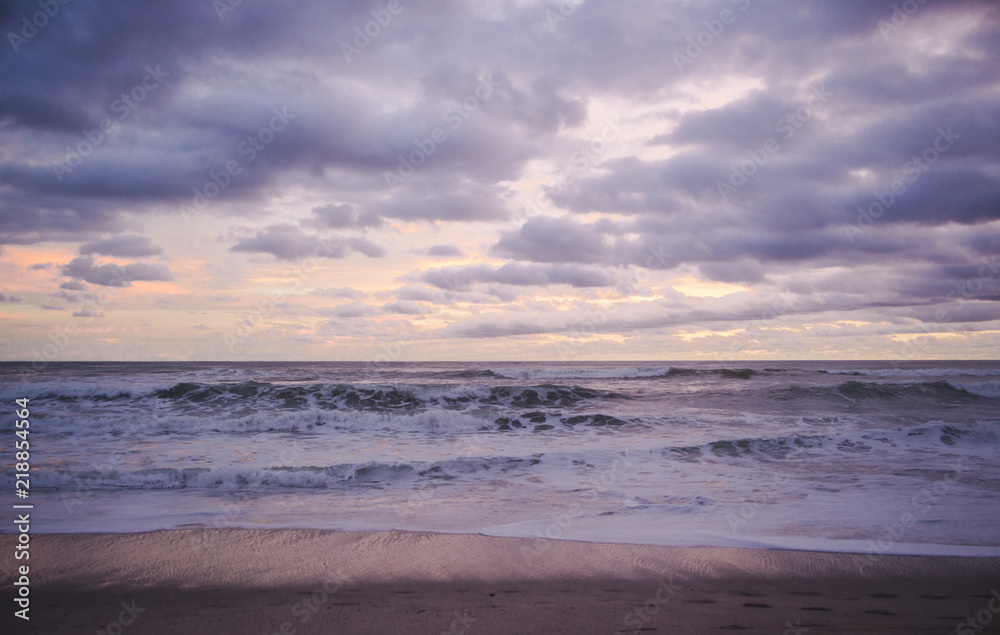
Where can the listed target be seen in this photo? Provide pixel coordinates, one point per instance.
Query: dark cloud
(123, 246)
(403, 307)
(547, 239)
(343, 217)
(418, 294)
(459, 110)
(112, 275)
(477, 206)
(748, 271)
(445, 251)
(287, 242)
(351, 310)
(539, 109)
(518, 274)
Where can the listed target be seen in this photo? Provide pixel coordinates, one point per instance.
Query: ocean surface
(840, 456)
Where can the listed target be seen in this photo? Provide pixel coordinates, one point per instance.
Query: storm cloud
(671, 170)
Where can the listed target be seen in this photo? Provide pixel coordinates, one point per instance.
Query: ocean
(863, 457)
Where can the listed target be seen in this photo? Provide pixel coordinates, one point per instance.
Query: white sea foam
(542, 374)
(990, 389)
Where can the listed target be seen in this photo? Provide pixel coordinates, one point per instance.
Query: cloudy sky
(502, 179)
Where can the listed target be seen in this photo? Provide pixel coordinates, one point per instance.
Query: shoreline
(250, 581)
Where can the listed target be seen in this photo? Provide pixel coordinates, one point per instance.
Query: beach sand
(298, 581)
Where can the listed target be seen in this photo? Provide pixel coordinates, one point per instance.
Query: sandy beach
(294, 581)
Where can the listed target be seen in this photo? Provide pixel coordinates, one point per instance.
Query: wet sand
(297, 582)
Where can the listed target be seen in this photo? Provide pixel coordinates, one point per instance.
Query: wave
(248, 394)
(325, 421)
(915, 372)
(541, 374)
(276, 476)
(988, 389)
(859, 391)
(932, 435)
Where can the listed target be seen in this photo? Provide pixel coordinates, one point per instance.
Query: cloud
(517, 274)
(445, 251)
(403, 307)
(123, 246)
(351, 310)
(287, 242)
(343, 217)
(341, 292)
(87, 313)
(877, 201)
(419, 294)
(112, 275)
(549, 239)
(462, 207)
(366, 247)
(748, 271)
(69, 297)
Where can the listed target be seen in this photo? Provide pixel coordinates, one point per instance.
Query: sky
(504, 179)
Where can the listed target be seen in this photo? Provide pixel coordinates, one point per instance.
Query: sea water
(867, 457)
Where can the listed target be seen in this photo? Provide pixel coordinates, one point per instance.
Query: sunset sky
(732, 179)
